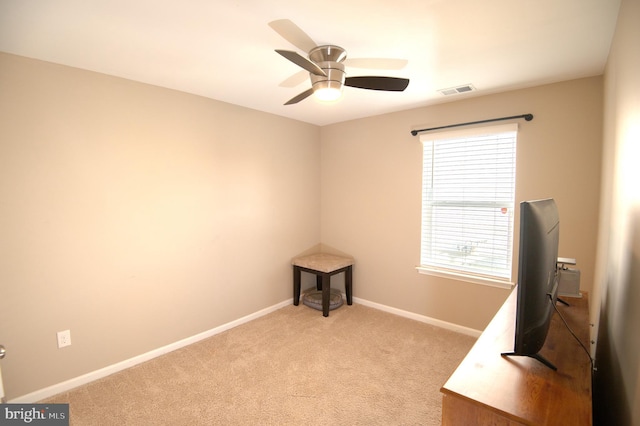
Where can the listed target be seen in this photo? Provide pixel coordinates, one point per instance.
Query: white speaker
(569, 283)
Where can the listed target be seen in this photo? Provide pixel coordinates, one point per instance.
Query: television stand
(487, 388)
(534, 356)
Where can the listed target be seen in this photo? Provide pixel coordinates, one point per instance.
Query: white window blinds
(468, 191)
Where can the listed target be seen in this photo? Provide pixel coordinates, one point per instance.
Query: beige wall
(371, 187)
(137, 216)
(616, 302)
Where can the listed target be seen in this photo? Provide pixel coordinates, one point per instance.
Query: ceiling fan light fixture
(328, 88)
(327, 91)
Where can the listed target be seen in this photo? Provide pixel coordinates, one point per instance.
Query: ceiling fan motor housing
(329, 58)
(334, 79)
(327, 53)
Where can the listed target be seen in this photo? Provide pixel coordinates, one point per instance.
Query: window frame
(460, 274)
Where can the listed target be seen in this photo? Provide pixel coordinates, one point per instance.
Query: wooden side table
(323, 266)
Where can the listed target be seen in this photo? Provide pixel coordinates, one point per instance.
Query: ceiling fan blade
(376, 63)
(301, 61)
(300, 97)
(296, 79)
(392, 84)
(293, 34)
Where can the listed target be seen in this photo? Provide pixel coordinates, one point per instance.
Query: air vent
(455, 90)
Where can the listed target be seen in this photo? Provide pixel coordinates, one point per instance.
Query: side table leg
(348, 285)
(326, 292)
(296, 285)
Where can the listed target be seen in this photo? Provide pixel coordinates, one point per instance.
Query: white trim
(2, 398)
(422, 318)
(50, 391)
(67, 385)
(475, 279)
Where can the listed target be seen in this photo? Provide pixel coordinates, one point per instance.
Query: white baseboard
(422, 318)
(50, 391)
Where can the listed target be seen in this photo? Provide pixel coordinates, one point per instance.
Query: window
(468, 191)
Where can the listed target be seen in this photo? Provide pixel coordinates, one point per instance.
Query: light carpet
(359, 366)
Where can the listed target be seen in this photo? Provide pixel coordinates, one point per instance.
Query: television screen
(537, 286)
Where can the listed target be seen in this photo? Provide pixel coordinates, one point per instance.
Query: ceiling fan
(326, 67)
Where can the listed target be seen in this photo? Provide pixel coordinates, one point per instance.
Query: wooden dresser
(489, 389)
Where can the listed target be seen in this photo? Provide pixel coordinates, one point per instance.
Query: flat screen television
(538, 274)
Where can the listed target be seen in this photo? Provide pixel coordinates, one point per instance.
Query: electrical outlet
(64, 338)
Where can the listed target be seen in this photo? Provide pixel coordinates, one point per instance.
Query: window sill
(475, 279)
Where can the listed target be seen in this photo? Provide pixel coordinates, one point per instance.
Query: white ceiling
(224, 49)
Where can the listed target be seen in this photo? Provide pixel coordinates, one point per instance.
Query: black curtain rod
(527, 117)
